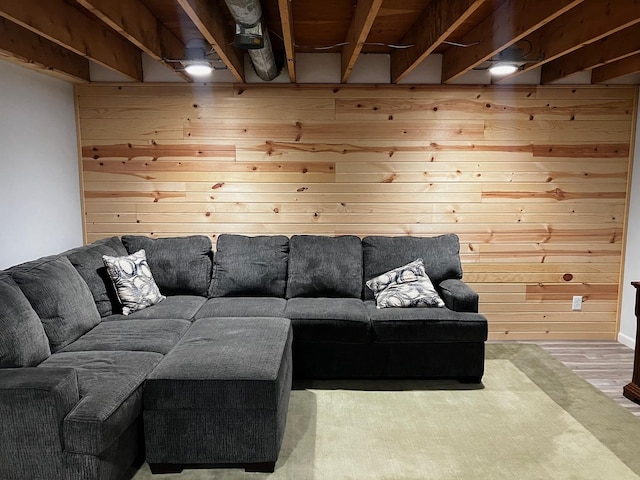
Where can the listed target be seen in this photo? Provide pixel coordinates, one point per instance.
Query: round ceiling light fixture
(503, 68)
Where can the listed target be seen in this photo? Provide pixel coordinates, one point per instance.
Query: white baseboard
(628, 341)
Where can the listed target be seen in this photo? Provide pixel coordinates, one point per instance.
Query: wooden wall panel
(534, 180)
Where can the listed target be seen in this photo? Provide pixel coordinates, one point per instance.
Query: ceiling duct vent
(248, 17)
(249, 38)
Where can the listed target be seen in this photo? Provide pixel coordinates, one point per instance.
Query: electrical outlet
(577, 303)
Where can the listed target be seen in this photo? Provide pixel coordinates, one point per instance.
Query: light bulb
(199, 69)
(503, 69)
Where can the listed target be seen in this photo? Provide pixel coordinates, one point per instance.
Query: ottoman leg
(265, 467)
(162, 468)
(471, 379)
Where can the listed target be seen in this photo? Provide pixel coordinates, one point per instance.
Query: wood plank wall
(534, 180)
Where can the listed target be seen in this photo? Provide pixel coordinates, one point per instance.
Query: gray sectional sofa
(203, 376)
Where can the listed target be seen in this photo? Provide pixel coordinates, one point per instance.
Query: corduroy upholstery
(19, 321)
(180, 265)
(221, 395)
(217, 368)
(132, 336)
(343, 320)
(110, 395)
(324, 266)
(88, 262)
(60, 297)
(242, 307)
(175, 306)
(250, 266)
(440, 255)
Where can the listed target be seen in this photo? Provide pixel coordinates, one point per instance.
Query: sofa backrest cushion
(115, 243)
(441, 256)
(23, 342)
(60, 297)
(250, 266)
(88, 262)
(324, 266)
(180, 265)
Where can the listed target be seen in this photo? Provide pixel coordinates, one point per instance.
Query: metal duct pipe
(248, 13)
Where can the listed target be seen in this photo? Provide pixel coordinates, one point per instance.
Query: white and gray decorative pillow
(406, 286)
(133, 281)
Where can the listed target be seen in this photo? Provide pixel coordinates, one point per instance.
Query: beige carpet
(533, 419)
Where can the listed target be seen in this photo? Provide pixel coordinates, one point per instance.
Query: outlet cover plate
(577, 303)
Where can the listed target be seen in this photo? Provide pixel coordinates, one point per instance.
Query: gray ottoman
(220, 397)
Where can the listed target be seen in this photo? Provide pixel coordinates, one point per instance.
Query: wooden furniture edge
(632, 389)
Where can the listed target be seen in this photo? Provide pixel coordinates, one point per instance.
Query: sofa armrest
(33, 404)
(459, 296)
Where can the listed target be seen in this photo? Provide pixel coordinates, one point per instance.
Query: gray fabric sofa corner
(77, 376)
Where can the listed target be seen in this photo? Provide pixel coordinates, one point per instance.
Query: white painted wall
(627, 333)
(40, 208)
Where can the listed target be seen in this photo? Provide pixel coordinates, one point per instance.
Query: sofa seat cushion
(177, 306)
(324, 266)
(132, 335)
(110, 385)
(60, 297)
(250, 266)
(180, 265)
(424, 325)
(243, 307)
(440, 255)
(343, 320)
(87, 260)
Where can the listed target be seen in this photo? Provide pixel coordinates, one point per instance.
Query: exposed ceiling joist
(612, 70)
(207, 17)
(67, 26)
(134, 21)
(66, 37)
(286, 18)
(38, 53)
(614, 47)
(437, 22)
(512, 21)
(589, 22)
(365, 14)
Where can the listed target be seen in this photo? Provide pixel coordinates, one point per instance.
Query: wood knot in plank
(558, 194)
(390, 178)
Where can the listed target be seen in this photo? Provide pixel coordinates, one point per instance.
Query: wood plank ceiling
(562, 37)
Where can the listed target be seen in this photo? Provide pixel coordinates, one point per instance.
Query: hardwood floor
(606, 365)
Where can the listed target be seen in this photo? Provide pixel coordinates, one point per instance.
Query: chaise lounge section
(77, 376)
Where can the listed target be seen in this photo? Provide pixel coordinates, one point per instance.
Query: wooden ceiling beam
(439, 19)
(286, 19)
(208, 18)
(66, 25)
(589, 22)
(135, 22)
(361, 23)
(24, 47)
(616, 69)
(610, 49)
(511, 22)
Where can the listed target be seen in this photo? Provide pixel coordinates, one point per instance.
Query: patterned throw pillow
(133, 281)
(406, 286)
